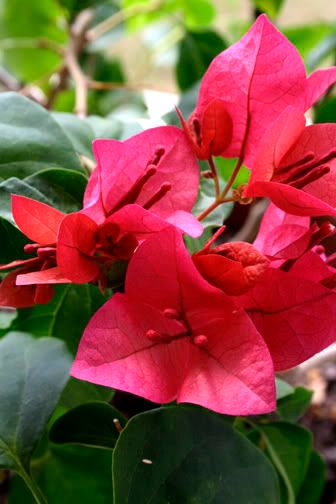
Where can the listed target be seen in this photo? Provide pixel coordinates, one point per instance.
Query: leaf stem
(214, 176)
(213, 207)
(33, 487)
(220, 198)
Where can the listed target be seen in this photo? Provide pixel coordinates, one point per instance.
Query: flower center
(155, 336)
(136, 187)
(305, 170)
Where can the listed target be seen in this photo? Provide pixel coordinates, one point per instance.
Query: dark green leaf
(289, 447)
(90, 424)
(196, 51)
(184, 454)
(30, 139)
(70, 475)
(66, 315)
(24, 26)
(292, 407)
(312, 487)
(283, 388)
(12, 242)
(32, 376)
(326, 110)
(77, 392)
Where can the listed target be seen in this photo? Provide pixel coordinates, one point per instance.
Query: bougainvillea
(207, 321)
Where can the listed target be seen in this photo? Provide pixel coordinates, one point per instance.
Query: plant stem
(33, 487)
(215, 176)
(220, 198)
(232, 178)
(213, 207)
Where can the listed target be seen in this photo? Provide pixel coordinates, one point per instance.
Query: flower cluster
(214, 327)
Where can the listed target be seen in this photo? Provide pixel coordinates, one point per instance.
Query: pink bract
(172, 336)
(256, 79)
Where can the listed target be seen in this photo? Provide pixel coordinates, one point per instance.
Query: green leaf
(12, 242)
(326, 110)
(78, 132)
(196, 51)
(64, 317)
(196, 244)
(32, 376)
(198, 13)
(271, 7)
(90, 424)
(30, 139)
(62, 189)
(283, 388)
(324, 49)
(289, 447)
(24, 26)
(313, 485)
(70, 475)
(186, 454)
(292, 407)
(104, 127)
(77, 392)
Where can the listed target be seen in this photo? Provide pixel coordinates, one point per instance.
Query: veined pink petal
(47, 276)
(121, 163)
(296, 317)
(318, 83)
(235, 374)
(290, 199)
(76, 242)
(38, 221)
(257, 78)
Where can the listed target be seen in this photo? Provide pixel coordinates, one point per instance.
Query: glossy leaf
(77, 392)
(74, 474)
(12, 242)
(312, 487)
(66, 315)
(292, 407)
(181, 454)
(196, 51)
(30, 139)
(90, 424)
(289, 447)
(33, 374)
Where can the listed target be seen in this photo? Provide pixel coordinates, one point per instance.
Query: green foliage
(289, 447)
(26, 27)
(197, 14)
(194, 457)
(30, 139)
(64, 317)
(312, 487)
(12, 242)
(292, 407)
(74, 474)
(89, 424)
(283, 389)
(33, 374)
(196, 51)
(326, 110)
